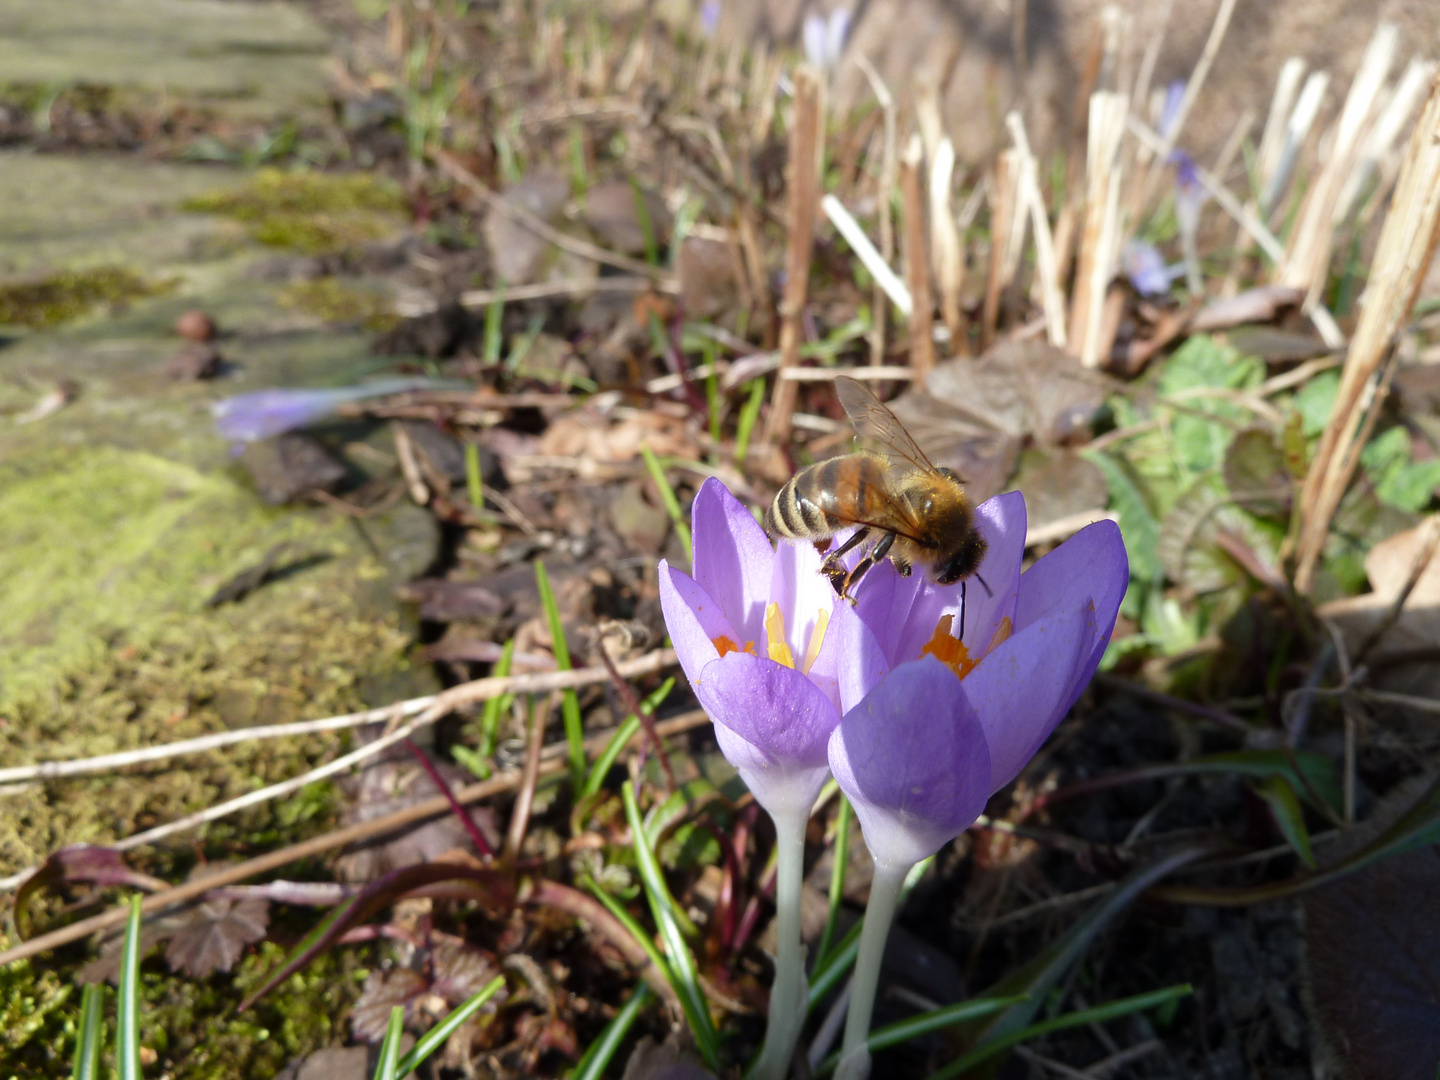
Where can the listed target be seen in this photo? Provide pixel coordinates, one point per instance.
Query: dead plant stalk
(1406, 248)
(917, 265)
(807, 134)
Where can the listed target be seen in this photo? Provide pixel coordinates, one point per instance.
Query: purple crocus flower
(936, 720)
(1189, 199)
(1144, 266)
(750, 631)
(709, 17)
(261, 414)
(824, 38)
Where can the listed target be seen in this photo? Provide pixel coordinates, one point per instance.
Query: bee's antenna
(963, 605)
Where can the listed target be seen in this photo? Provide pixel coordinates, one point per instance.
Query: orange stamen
(724, 645)
(779, 649)
(949, 650)
(1002, 634)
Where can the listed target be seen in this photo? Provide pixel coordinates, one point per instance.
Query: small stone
(197, 360)
(195, 325)
(289, 466)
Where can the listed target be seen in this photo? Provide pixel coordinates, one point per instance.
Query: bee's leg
(874, 555)
(902, 567)
(832, 567)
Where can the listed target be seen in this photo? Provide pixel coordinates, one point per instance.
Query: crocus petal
(783, 719)
(1020, 689)
(865, 659)
(812, 37)
(694, 621)
(912, 758)
(1002, 521)
(1091, 563)
(733, 558)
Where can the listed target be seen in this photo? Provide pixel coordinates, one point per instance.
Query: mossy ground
(48, 301)
(312, 213)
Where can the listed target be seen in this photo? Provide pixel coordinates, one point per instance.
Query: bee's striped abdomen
(796, 513)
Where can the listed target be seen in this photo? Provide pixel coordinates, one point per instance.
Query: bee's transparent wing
(877, 424)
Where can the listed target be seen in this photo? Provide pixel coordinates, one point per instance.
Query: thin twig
(481, 844)
(647, 721)
(555, 761)
(917, 263)
(547, 290)
(520, 813)
(538, 225)
(477, 690)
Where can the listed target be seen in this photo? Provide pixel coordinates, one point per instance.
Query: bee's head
(963, 561)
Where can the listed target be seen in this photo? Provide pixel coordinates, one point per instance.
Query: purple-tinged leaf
(494, 888)
(215, 933)
(384, 990)
(90, 863)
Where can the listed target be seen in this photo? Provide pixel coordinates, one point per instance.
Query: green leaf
(663, 907)
(1285, 807)
(1315, 401)
(127, 1019)
(1098, 1015)
(91, 1040)
(1137, 519)
(436, 1036)
(1307, 772)
(390, 1048)
(595, 1060)
(840, 861)
(668, 497)
(569, 702)
(1257, 475)
(903, 1031)
(1035, 979)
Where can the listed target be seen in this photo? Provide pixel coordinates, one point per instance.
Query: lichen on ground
(56, 298)
(313, 213)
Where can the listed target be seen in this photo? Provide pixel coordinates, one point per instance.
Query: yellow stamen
(775, 636)
(949, 650)
(724, 645)
(817, 639)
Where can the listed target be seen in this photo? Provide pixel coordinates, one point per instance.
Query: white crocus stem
(789, 993)
(885, 891)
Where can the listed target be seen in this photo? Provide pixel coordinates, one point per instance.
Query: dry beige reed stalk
(1101, 232)
(884, 198)
(917, 263)
(1406, 249)
(1052, 298)
(1003, 197)
(807, 145)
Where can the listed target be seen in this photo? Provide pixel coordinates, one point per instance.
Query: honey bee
(920, 511)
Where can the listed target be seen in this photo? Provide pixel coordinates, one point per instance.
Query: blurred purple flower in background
(709, 17)
(824, 38)
(1144, 267)
(263, 413)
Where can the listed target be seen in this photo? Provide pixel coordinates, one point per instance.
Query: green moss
(192, 1024)
(334, 301)
(44, 302)
(105, 559)
(314, 213)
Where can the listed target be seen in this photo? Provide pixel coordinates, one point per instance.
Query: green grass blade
(647, 226)
(436, 1036)
(472, 476)
(903, 1031)
(92, 1034)
(597, 1057)
(127, 1013)
(837, 878)
(635, 930)
(749, 413)
(682, 963)
(569, 702)
(390, 1048)
(667, 496)
(628, 729)
(1099, 1014)
(834, 966)
(493, 340)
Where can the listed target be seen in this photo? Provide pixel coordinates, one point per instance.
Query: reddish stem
(462, 812)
